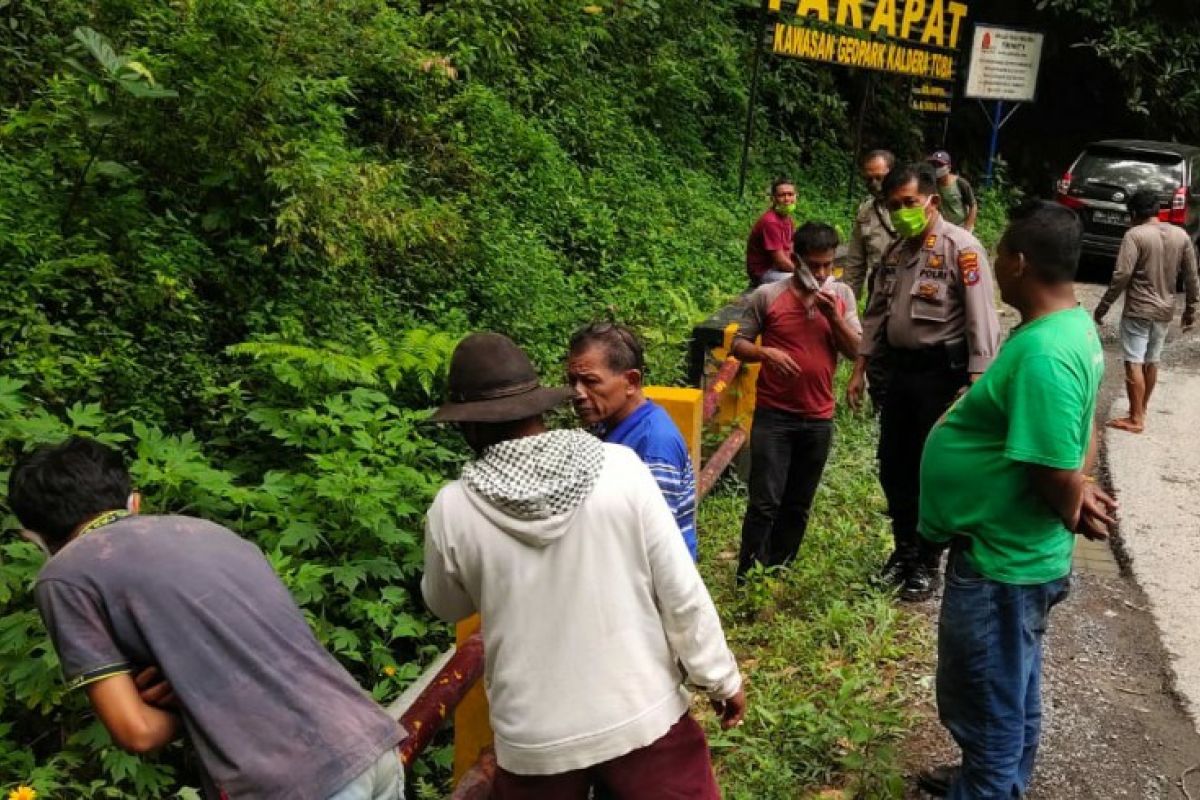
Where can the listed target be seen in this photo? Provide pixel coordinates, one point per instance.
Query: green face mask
(909, 222)
(787, 210)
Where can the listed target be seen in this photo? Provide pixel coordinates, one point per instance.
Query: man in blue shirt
(604, 370)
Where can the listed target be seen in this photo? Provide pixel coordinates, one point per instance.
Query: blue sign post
(1004, 68)
(997, 122)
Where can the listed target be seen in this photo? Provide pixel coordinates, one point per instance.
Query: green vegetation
(824, 649)
(1150, 49)
(239, 239)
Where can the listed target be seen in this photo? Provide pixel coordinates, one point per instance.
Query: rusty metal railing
(719, 460)
(724, 378)
(425, 715)
(724, 455)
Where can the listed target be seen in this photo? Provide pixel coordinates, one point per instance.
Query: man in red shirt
(801, 333)
(769, 248)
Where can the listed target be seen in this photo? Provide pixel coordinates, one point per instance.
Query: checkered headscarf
(537, 477)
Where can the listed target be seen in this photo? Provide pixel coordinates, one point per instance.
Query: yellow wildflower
(593, 9)
(389, 670)
(22, 793)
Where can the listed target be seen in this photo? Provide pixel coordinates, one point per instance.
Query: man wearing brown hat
(590, 600)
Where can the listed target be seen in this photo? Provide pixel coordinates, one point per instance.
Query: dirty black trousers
(787, 456)
(879, 368)
(919, 390)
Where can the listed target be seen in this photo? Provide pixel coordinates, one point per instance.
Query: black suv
(1106, 173)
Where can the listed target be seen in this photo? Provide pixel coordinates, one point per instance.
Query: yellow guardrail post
(472, 727)
(737, 402)
(686, 407)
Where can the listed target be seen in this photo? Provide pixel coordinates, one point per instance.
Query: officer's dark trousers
(787, 457)
(916, 397)
(879, 368)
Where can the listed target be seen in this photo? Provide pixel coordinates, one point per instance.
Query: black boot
(894, 571)
(918, 583)
(936, 781)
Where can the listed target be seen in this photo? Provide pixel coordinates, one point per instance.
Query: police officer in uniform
(870, 238)
(933, 307)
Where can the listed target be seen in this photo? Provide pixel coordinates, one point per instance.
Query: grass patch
(827, 654)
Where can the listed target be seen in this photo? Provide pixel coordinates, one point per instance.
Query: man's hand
(134, 724)
(855, 388)
(1096, 512)
(732, 710)
(154, 689)
(1098, 315)
(826, 304)
(780, 360)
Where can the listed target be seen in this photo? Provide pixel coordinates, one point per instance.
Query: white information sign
(1004, 64)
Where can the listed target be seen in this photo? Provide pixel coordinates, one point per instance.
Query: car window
(1129, 171)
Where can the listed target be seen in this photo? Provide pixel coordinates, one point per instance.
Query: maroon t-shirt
(778, 314)
(772, 232)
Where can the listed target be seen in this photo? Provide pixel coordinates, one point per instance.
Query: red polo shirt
(778, 314)
(772, 232)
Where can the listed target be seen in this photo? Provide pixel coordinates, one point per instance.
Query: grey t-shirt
(271, 714)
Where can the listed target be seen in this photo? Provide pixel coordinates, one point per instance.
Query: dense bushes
(315, 462)
(238, 238)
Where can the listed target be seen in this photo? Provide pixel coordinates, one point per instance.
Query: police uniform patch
(930, 241)
(927, 290)
(934, 262)
(968, 264)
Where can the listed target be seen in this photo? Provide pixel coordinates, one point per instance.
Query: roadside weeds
(829, 658)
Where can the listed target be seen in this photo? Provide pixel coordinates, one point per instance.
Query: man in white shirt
(590, 601)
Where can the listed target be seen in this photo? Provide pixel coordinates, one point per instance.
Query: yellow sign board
(930, 98)
(917, 38)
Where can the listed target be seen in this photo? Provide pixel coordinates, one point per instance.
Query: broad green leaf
(100, 48)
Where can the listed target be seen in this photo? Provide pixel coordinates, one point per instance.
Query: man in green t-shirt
(1005, 479)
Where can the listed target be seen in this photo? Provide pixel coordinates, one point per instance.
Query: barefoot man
(1148, 265)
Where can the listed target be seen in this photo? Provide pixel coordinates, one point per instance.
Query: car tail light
(1064, 183)
(1177, 213)
(1063, 187)
(1068, 201)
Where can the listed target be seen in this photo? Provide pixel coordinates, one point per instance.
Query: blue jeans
(989, 676)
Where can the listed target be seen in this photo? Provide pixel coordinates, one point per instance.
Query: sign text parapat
(1004, 64)
(917, 38)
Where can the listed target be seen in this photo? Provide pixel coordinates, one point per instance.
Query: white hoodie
(587, 612)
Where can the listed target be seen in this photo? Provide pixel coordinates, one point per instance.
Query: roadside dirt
(1113, 726)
